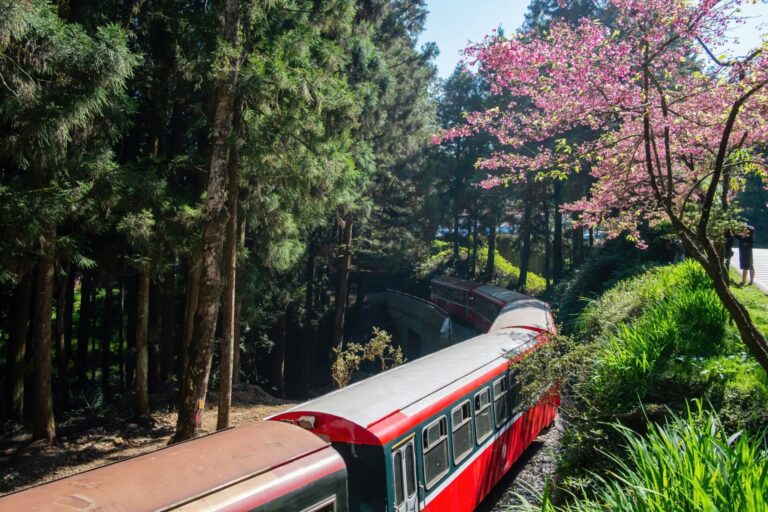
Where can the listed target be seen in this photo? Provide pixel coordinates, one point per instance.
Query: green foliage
(659, 337)
(690, 463)
(348, 359)
(608, 265)
(505, 273)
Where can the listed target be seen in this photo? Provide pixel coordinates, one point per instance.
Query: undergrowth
(661, 339)
(689, 463)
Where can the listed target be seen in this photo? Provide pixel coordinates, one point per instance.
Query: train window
(435, 447)
(486, 309)
(327, 505)
(461, 426)
(410, 476)
(398, 467)
(500, 400)
(483, 420)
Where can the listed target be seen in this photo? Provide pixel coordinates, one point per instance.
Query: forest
(191, 190)
(197, 196)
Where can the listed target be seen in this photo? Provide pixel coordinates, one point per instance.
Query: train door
(404, 469)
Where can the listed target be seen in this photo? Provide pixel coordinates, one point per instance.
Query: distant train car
(488, 301)
(453, 295)
(435, 434)
(262, 467)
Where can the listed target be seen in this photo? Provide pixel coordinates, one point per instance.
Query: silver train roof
(527, 312)
(425, 379)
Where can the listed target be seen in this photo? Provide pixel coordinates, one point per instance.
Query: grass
(660, 339)
(688, 464)
(755, 301)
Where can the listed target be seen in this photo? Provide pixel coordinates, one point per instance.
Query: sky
(454, 23)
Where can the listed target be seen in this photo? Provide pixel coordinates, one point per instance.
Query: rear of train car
(262, 467)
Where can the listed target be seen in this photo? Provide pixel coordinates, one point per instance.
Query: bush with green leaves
(643, 323)
(690, 463)
(660, 338)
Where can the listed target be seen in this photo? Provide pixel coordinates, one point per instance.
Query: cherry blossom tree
(674, 125)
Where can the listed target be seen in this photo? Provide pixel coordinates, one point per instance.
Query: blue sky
(453, 23)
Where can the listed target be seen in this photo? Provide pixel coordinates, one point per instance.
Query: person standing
(746, 241)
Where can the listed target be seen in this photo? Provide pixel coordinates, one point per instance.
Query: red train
(435, 434)
(482, 305)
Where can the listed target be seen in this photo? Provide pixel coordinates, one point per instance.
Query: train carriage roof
(455, 282)
(175, 475)
(369, 402)
(528, 313)
(500, 294)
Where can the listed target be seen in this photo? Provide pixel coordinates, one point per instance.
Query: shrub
(661, 337)
(667, 312)
(688, 464)
(348, 359)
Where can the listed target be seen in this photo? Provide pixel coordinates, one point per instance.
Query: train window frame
(465, 422)
(397, 471)
(480, 438)
(410, 470)
(500, 397)
(318, 507)
(428, 446)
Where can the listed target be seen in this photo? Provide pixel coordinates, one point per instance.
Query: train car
(527, 313)
(453, 295)
(435, 434)
(262, 467)
(487, 303)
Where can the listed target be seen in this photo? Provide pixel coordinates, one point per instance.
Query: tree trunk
(578, 242)
(310, 327)
(155, 335)
(141, 384)
(43, 426)
(62, 357)
(279, 357)
(525, 253)
(106, 337)
(131, 328)
(490, 264)
(457, 193)
(456, 214)
(236, 356)
(238, 303)
(193, 295)
(475, 245)
(84, 329)
(557, 239)
(168, 336)
(343, 262)
(17, 346)
(93, 354)
(709, 257)
(194, 384)
(230, 276)
(547, 246)
(120, 335)
(70, 306)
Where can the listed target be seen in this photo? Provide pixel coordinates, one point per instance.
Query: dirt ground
(89, 438)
